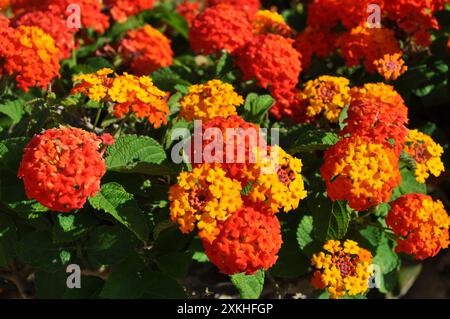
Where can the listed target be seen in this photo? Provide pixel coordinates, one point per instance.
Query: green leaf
(165, 13)
(13, 109)
(175, 264)
(130, 151)
(11, 151)
(90, 288)
(166, 79)
(37, 250)
(304, 231)
(331, 219)
(8, 238)
(256, 107)
(50, 285)
(109, 245)
(409, 183)
(385, 256)
(70, 227)
(249, 287)
(309, 138)
(116, 201)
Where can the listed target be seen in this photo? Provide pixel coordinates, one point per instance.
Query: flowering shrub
(225, 149)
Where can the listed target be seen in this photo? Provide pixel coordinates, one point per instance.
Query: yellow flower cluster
(266, 21)
(327, 95)
(279, 183)
(127, 92)
(426, 153)
(342, 269)
(206, 101)
(33, 37)
(203, 197)
(374, 92)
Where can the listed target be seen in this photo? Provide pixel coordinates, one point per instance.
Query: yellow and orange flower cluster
(206, 101)
(360, 171)
(420, 224)
(343, 269)
(327, 95)
(30, 55)
(127, 92)
(266, 21)
(426, 153)
(146, 49)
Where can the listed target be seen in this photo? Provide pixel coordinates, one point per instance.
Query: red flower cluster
(54, 25)
(316, 43)
(221, 27)
(241, 143)
(248, 240)
(248, 6)
(90, 10)
(189, 10)
(272, 60)
(30, 55)
(288, 104)
(146, 49)
(378, 112)
(421, 225)
(122, 9)
(62, 167)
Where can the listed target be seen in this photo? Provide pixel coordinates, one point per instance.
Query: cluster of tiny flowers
(271, 60)
(426, 153)
(30, 55)
(247, 241)
(342, 269)
(128, 93)
(203, 197)
(90, 10)
(54, 25)
(360, 171)
(220, 27)
(327, 95)
(266, 21)
(62, 167)
(248, 6)
(314, 43)
(146, 49)
(379, 113)
(368, 45)
(279, 183)
(390, 66)
(122, 9)
(420, 224)
(207, 101)
(189, 10)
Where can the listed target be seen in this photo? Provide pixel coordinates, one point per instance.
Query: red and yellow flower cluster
(128, 93)
(28, 54)
(62, 167)
(236, 186)
(343, 269)
(420, 224)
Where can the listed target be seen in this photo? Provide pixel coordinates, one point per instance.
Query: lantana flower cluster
(342, 269)
(420, 224)
(128, 93)
(146, 49)
(62, 167)
(28, 54)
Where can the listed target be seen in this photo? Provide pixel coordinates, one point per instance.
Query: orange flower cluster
(146, 50)
(220, 27)
(233, 167)
(122, 9)
(189, 10)
(415, 17)
(360, 171)
(62, 167)
(55, 26)
(127, 92)
(342, 270)
(4, 4)
(30, 55)
(248, 6)
(420, 224)
(90, 10)
(270, 59)
(390, 66)
(379, 113)
(368, 45)
(248, 241)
